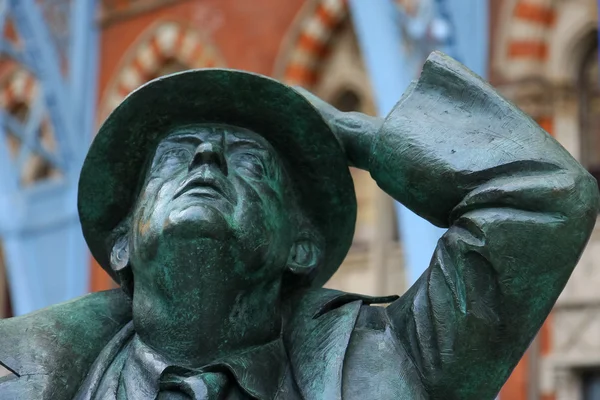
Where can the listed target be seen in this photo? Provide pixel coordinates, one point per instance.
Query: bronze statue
(221, 202)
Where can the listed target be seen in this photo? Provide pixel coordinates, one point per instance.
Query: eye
(173, 157)
(250, 164)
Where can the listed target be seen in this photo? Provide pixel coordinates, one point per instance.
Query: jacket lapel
(50, 351)
(317, 334)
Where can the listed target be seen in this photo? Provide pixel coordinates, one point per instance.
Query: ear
(119, 256)
(304, 257)
(119, 262)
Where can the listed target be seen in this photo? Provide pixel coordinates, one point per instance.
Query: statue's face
(208, 187)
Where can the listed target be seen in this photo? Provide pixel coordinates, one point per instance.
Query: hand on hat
(355, 131)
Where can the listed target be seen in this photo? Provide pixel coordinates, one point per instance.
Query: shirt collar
(259, 370)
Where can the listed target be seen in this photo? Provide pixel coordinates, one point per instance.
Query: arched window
(347, 100)
(589, 110)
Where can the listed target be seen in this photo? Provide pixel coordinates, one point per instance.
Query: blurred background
(65, 64)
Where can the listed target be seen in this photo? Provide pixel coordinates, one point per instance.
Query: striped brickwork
(526, 49)
(309, 43)
(168, 41)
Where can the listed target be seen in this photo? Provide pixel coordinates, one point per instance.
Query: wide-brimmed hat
(117, 158)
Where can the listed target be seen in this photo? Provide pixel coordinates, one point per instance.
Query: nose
(208, 153)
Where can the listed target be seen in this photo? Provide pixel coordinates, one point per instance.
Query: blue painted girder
(46, 256)
(383, 32)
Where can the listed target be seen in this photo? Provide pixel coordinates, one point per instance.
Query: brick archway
(307, 42)
(164, 42)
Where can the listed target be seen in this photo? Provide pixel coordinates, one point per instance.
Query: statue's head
(210, 187)
(232, 173)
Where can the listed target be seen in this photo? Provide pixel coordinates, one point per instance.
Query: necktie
(179, 383)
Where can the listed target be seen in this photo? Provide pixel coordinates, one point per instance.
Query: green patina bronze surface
(221, 201)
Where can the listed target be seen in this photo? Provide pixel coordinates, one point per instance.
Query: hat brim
(317, 165)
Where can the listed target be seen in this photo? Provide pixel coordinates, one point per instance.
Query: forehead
(229, 135)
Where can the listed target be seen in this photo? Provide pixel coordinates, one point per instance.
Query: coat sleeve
(518, 209)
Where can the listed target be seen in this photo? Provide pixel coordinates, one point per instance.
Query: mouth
(201, 185)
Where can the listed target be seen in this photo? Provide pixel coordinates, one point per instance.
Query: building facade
(542, 56)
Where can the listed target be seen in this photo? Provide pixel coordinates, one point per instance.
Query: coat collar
(318, 329)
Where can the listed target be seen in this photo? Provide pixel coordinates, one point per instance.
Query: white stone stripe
(131, 77)
(17, 84)
(519, 67)
(523, 30)
(304, 58)
(166, 36)
(317, 30)
(147, 57)
(335, 7)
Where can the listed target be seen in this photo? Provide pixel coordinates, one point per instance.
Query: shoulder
(314, 303)
(58, 344)
(308, 309)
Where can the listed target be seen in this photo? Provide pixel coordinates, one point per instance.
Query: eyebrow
(233, 140)
(247, 143)
(183, 137)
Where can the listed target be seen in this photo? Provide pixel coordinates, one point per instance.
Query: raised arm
(519, 211)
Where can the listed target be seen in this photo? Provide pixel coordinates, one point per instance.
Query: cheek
(258, 198)
(151, 209)
(274, 217)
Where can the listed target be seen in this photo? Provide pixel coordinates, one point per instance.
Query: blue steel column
(469, 21)
(378, 27)
(83, 94)
(380, 39)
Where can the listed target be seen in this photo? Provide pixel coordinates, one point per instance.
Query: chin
(197, 221)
